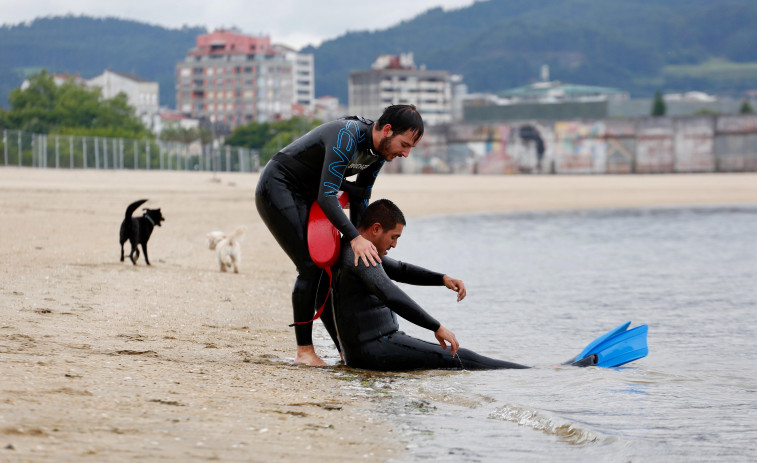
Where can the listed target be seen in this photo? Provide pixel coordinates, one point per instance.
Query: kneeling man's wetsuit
(365, 307)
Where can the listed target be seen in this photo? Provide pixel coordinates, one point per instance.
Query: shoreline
(177, 360)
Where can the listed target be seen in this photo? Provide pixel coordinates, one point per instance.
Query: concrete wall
(605, 146)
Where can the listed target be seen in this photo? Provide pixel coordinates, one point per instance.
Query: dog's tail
(237, 235)
(133, 207)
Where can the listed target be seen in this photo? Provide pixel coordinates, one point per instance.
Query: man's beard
(383, 147)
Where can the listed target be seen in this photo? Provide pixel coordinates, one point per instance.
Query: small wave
(540, 421)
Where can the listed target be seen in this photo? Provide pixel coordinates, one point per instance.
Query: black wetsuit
(311, 168)
(365, 306)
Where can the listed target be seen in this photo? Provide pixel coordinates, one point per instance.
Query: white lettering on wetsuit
(361, 161)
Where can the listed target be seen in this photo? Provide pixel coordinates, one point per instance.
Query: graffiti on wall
(646, 145)
(655, 150)
(735, 143)
(580, 147)
(694, 145)
(505, 149)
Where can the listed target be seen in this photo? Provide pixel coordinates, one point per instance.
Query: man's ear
(376, 229)
(386, 130)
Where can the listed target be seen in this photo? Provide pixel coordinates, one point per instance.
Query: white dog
(227, 248)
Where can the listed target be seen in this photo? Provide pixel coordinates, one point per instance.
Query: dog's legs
(122, 252)
(134, 254)
(144, 249)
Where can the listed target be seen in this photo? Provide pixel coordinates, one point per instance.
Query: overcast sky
(291, 22)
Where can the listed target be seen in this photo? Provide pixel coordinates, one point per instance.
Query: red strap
(320, 310)
(323, 244)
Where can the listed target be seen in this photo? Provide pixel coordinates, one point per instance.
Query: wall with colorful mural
(611, 146)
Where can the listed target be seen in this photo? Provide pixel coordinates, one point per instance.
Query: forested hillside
(88, 46)
(637, 45)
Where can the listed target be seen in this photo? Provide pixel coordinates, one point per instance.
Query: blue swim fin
(615, 348)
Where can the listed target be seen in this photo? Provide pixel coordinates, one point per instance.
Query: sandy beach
(105, 361)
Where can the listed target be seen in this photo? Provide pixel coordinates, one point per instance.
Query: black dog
(138, 230)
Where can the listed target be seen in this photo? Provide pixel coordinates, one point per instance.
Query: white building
(141, 94)
(60, 79)
(168, 119)
(303, 76)
(394, 79)
(327, 108)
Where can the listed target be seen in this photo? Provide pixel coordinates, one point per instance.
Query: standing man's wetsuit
(365, 307)
(313, 168)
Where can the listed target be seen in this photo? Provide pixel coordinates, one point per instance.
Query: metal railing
(25, 149)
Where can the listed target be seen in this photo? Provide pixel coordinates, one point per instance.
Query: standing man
(314, 167)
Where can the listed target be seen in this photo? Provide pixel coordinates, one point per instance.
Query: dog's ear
(214, 238)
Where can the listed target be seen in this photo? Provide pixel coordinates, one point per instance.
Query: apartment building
(394, 79)
(303, 77)
(141, 94)
(231, 79)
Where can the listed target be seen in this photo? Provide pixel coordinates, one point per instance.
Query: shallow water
(540, 287)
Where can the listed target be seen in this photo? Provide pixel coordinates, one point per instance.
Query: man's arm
(340, 147)
(419, 276)
(379, 284)
(411, 274)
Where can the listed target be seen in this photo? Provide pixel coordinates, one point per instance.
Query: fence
(24, 149)
(605, 146)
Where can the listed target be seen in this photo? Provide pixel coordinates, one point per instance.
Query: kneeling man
(366, 303)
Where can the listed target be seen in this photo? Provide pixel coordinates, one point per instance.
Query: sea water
(543, 285)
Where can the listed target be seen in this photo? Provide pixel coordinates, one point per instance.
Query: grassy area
(714, 69)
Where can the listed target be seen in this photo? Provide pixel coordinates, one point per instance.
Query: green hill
(502, 44)
(88, 46)
(637, 45)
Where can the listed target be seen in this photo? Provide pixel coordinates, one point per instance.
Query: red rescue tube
(323, 237)
(323, 244)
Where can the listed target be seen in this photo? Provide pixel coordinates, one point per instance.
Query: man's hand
(364, 250)
(443, 334)
(455, 285)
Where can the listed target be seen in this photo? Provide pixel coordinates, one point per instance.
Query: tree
(179, 134)
(658, 106)
(746, 108)
(44, 107)
(270, 137)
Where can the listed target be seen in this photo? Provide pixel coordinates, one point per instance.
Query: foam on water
(550, 424)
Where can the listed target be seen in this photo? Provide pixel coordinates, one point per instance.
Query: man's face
(387, 239)
(394, 144)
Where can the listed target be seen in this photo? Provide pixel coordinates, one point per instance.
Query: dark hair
(383, 212)
(402, 117)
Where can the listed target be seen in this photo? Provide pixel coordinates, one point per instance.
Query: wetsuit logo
(359, 166)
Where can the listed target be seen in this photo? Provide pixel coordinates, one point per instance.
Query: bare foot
(307, 355)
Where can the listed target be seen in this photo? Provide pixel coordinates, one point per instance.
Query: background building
(141, 94)
(231, 79)
(394, 79)
(60, 79)
(303, 77)
(328, 108)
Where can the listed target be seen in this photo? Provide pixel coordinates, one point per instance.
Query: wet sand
(107, 361)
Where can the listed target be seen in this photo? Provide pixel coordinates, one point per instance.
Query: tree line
(44, 107)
